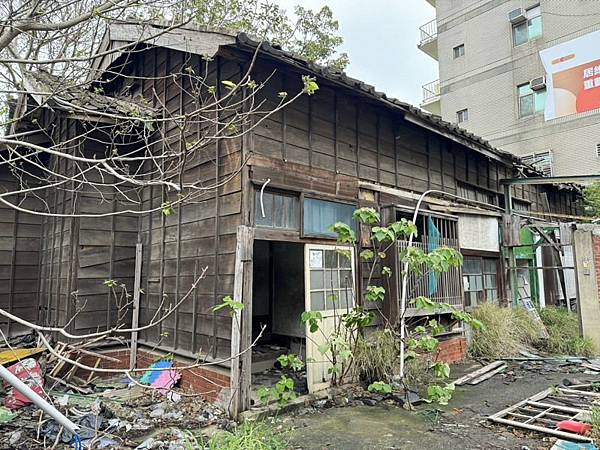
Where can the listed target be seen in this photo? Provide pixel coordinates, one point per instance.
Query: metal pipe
(11, 379)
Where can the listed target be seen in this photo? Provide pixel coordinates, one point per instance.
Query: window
(331, 279)
(319, 215)
(462, 115)
(475, 193)
(480, 280)
(529, 29)
(459, 51)
(530, 101)
(542, 161)
(281, 210)
(598, 150)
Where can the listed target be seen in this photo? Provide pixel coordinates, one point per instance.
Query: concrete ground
(460, 425)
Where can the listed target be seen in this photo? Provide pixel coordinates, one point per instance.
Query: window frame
(483, 273)
(535, 95)
(528, 25)
(303, 234)
(283, 193)
(458, 51)
(462, 113)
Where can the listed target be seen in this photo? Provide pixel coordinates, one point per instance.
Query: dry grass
(563, 328)
(505, 332)
(376, 358)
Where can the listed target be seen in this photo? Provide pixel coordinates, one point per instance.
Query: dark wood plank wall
(349, 135)
(20, 237)
(201, 233)
(80, 253)
(57, 249)
(105, 246)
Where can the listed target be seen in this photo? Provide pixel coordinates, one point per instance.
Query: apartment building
(523, 74)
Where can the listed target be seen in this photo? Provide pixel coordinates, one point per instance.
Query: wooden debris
(590, 366)
(479, 372)
(537, 413)
(488, 375)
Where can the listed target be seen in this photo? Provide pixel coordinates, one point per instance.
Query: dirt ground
(460, 425)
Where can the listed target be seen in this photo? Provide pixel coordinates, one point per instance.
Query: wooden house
(263, 234)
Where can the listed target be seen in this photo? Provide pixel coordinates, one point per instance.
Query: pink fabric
(166, 380)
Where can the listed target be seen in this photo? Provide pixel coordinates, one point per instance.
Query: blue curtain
(433, 242)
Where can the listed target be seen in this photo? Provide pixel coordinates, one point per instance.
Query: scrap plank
(477, 373)
(488, 375)
(17, 354)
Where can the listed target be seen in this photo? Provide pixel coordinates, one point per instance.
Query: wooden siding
(201, 233)
(20, 236)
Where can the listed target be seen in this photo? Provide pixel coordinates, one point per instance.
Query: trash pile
(116, 413)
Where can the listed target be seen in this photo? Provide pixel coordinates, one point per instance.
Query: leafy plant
(312, 34)
(345, 347)
(380, 387)
(249, 435)
(282, 393)
(230, 303)
(591, 197)
(440, 394)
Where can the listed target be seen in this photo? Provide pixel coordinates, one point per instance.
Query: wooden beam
(135, 315)
(241, 327)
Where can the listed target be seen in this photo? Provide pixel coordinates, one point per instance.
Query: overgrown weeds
(376, 358)
(249, 435)
(563, 329)
(595, 421)
(505, 331)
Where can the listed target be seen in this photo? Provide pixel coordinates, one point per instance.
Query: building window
(529, 29)
(319, 215)
(530, 101)
(281, 210)
(462, 115)
(598, 150)
(459, 51)
(542, 161)
(480, 280)
(475, 193)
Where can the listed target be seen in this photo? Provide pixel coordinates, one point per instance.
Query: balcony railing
(431, 91)
(428, 32)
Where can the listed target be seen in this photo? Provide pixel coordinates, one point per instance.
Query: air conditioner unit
(517, 16)
(537, 84)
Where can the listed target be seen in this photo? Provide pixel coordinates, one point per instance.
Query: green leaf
(380, 387)
(310, 85)
(367, 255)
(375, 293)
(441, 370)
(230, 303)
(386, 271)
(323, 348)
(366, 215)
(345, 234)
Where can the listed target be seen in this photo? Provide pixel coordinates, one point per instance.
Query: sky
(380, 37)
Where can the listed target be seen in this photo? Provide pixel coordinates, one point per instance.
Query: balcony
(431, 98)
(429, 39)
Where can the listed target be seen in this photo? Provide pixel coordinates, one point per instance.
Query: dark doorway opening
(278, 301)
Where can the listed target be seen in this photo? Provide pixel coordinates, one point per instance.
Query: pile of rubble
(116, 413)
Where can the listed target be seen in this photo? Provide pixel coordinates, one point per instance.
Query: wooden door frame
(307, 301)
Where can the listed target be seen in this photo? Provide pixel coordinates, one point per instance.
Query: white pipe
(262, 191)
(39, 401)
